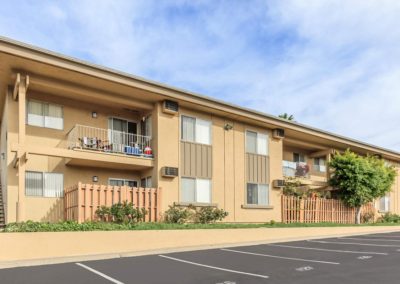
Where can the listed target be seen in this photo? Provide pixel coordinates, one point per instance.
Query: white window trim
(195, 118)
(258, 132)
(44, 185)
(258, 204)
(195, 191)
(123, 179)
(43, 103)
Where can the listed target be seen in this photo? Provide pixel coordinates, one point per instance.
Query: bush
(204, 215)
(368, 217)
(207, 215)
(121, 213)
(178, 215)
(65, 226)
(103, 213)
(389, 218)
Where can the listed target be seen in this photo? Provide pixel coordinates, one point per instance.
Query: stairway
(2, 215)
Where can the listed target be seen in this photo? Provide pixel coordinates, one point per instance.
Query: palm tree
(286, 116)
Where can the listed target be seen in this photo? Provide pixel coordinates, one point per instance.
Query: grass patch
(69, 226)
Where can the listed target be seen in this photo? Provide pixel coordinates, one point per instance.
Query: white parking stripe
(331, 250)
(214, 267)
(359, 244)
(99, 273)
(281, 257)
(377, 240)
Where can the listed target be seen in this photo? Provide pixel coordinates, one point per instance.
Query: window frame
(257, 146)
(387, 203)
(44, 103)
(195, 201)
(267, 204)
(300, 155)
(195, 126)
(124, 180)
(43, 195)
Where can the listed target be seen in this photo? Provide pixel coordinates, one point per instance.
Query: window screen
(53, 185)
(203, 131)
(188, 188)
(188, 129)
(251, 142)
(34, 184)
(203, 190)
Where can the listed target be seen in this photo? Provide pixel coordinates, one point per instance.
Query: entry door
(122, 133)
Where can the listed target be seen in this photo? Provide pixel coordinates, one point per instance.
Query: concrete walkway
(24, 249)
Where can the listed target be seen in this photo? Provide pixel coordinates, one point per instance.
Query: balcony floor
(90, 158)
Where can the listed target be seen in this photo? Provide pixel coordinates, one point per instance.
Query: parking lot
(370, 258)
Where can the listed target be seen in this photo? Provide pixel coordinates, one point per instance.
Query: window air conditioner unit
(170, 107)
(278, 133)
(169, 172)
(278, 183)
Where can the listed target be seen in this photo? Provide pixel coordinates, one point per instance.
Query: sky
(334, 65)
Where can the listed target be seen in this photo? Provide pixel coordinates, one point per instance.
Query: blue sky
(335, 65)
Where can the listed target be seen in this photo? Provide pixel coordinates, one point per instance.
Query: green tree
(287, 116)
(360, 180)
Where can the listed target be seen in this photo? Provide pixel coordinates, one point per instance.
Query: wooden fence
(314, 210)
(82, 200)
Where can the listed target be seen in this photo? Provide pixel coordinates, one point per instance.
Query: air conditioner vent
(279, 183)
(170, 107)
(169, 172)
(278, 133)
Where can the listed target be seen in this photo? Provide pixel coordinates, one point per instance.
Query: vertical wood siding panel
(259, 169)
(196, 160)
(210, 162)
(193, 160)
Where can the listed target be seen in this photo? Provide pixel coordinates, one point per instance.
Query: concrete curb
(92, 257)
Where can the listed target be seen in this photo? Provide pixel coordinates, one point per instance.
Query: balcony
(109, 141)
(295, 169)
(105, 148)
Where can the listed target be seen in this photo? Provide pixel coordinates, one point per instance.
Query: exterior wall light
(94, 114)
(95, 178)
(228, 126)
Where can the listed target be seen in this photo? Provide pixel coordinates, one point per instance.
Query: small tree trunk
(358, 215)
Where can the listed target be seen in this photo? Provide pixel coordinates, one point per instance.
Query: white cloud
(333, 64)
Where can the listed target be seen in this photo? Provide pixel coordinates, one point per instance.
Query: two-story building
(65, 121)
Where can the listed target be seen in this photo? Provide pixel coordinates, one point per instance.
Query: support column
(21, 86)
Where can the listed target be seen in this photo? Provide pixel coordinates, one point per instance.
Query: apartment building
(65, 121)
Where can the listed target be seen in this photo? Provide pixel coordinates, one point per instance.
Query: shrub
(368, 217)
(178, 215)
(103, 213)
(209, 214)
(389, 218)
(126, 212)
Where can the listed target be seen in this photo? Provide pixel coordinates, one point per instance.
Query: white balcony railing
(295, 169)
(108, 140)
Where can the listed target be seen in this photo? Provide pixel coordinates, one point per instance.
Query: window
(256, 143)
(45, 115)
(122, 182)
(319, 164)
(384, 203)
(299, 158)
(44, 184)
(146, 182)
(196, 130)
(196, 190)
(257, 194)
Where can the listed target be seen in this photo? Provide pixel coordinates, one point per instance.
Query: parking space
(357, 259)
